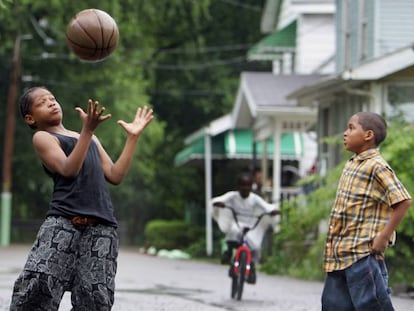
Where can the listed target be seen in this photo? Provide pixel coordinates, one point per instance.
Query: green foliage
(4, 3)
(397, 150)
(197, 249)
(118, 86)
(171, 234)
(300, 244)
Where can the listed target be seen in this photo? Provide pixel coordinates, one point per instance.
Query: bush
(171, 234)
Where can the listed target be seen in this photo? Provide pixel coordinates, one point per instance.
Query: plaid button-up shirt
(366, 191)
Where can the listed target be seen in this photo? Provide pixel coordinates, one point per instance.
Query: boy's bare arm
(381, 241)
(115, 172)
(52, 156)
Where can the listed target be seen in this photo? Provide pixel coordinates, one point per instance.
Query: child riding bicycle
(244, 202)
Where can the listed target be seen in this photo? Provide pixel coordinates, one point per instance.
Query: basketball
(92, 35)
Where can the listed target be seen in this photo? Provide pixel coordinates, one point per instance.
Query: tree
(46, 60)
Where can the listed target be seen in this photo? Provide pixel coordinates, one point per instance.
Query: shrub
(171, 234)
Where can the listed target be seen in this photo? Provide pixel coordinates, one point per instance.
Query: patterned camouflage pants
(64, 258)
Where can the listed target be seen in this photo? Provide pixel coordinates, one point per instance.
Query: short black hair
(374, 122)
(26, 101)
(243, 177)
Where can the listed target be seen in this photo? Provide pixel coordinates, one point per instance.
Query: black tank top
(86, 194)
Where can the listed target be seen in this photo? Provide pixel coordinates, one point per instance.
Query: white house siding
(287, 14)
(389, 32)
(315, 43)
(389, 26)
(395, 22)
(350, 15)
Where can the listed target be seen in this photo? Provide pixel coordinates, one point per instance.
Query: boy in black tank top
(80, 228)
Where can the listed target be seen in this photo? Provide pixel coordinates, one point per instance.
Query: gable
(263, 93)
(274, 45)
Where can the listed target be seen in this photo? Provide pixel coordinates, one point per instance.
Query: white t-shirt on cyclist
(247, 210)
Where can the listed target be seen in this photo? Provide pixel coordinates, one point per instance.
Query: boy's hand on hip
(379, 245)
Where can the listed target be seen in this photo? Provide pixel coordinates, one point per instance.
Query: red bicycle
(241, 264)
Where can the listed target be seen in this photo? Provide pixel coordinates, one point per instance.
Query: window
(363, 24)
(400, 102)
(346, 34)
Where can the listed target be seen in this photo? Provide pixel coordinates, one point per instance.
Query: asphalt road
(151, 283)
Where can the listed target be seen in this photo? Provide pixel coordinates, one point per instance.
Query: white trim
(376, 69)
(249, 97)
(314, 8)
(298, 144)
(232, 143)
(214, 128)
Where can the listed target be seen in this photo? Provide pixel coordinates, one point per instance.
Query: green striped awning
(238, 144)
(274, 45)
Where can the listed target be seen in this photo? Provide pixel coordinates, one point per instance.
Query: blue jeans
(360, 287)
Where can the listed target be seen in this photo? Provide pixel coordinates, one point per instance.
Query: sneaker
(251, 279)
(225, 257)
(231, 271)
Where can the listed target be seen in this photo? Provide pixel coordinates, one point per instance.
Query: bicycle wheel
(241, 275)
(233, 284)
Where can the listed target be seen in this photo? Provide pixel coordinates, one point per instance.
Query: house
(374, 70)
(300, 36)
(299, 41)
(261, 106)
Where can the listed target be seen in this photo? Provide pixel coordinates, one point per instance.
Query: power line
(204, 50)
(192, 93)
(243, 5)
(146, 64)
(199, 66)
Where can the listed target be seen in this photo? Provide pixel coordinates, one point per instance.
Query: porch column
(277, 161)
(265, 170)
(208, 187)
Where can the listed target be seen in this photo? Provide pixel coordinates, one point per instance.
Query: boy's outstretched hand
(143, 117)
(94, 115)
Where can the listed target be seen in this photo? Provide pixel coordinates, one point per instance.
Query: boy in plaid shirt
(370, 204)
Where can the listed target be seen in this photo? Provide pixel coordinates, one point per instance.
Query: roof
(372, 70)
(274, 45)
(238, 144)
(264, 93)
(382, 66)
(277, 13)
(269, 90)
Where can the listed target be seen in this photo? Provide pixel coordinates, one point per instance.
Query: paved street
(159, 284)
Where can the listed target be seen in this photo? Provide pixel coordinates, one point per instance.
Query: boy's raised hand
(94, 115)
(143, 117)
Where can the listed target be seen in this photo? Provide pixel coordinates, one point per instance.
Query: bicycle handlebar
(234, 213)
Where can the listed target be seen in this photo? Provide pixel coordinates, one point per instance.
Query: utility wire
(199, 66)
(205, 50)
(145, 64)
(243, 5)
